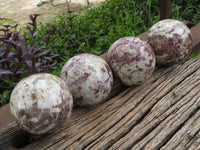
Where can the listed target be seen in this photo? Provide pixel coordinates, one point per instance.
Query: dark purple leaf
(5, 72)
(33, 24)
(15, 26)
(22, 39)
(47, 68)
(55, 55)
(14, 43)
(42, 53)
(63, 25)
(1, 52)
(35, 51)
(37, 65)
(70, 18)
(71, 25)
(3, 60)
(29, 28)
(35, 34)
(4, 30)
(16, 35)
(20, 72)
(18, 50)
(29, 64)
(7, 50)
(70, 11)
(32, 49)
(28, 56)
(15, 61)
(31, 17)
(46, 38)
(11, 55)
(48, 58)
(23, 47)
(9, 26)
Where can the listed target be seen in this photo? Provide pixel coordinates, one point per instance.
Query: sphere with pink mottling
(171, 41)
(89, 78)
(41, 102)
(131, 59)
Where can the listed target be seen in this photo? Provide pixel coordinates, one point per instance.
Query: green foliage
(193, 54)
(95, 30)
(4, 97)
(187, 10)
(6, 86)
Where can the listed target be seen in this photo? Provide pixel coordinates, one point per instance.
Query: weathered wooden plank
(182, 139)
(194, 144)
(196, 37)
(165, 9)
(5, 113)
(170, 125)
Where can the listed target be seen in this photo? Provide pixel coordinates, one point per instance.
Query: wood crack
(157, 116)
(163, 132)
(169, 136)
(183, 137)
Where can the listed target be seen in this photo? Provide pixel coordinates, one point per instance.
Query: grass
(94, 30)
(187, 10)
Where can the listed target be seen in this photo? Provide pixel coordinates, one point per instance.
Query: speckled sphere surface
(131, 59)
(40, 102)
(89, 79)
(171, 41)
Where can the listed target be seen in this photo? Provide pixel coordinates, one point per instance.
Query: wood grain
(149, 116)
(165, 9)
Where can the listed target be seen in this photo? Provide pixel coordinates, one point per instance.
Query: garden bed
(162, 113)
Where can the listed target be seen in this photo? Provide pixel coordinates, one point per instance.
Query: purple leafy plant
(18, 59)
(32, 26)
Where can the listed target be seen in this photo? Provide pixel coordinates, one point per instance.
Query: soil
(19, 10)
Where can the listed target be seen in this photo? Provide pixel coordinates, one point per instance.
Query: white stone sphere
(89, 79)
(131, 59)
(40, 102)
(171, 41)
